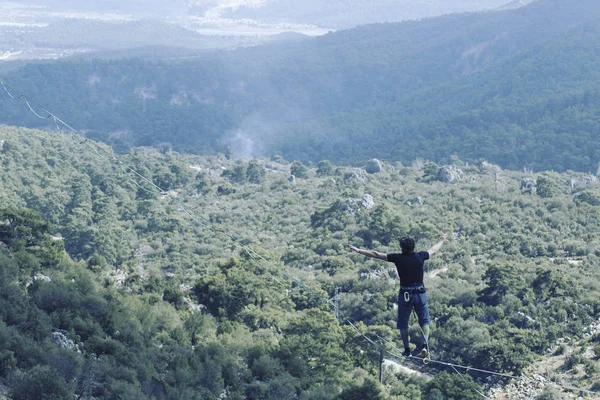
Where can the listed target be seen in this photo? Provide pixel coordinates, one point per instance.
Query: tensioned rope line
(155, 189)
(201, 221)
(259, 259)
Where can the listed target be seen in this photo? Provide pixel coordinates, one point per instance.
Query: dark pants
(417, 302)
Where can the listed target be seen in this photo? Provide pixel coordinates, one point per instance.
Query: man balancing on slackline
(413, 294)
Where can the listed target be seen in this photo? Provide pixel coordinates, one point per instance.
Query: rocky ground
(550, 375)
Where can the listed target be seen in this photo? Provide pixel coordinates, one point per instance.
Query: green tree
(299, 170)
(370, 389)
(228, 153)
(430, 171)
(545, 187)
(41, 383)
(312, 348)
(325, 168)
(255, 172)
(501, 280)
(237, 174)
(203, 183)
(451, 387)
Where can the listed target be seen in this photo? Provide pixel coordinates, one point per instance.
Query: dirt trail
(435, 273)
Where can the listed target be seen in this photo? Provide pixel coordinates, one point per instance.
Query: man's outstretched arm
(436, 247)
(370, 253)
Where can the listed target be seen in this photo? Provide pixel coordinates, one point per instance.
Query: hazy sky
(324, 13)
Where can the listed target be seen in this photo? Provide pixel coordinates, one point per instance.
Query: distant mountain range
(515, 4)
(327, 14)
(344, 13)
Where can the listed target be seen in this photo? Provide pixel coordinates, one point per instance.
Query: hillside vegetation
(518, 87)
(162, 307)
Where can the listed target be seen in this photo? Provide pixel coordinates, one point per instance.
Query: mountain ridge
(388, 81)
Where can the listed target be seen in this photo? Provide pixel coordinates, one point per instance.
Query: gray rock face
(449, 174)
(528, 185)
(527, 321)
(351, 205)
(374, 166)
(583, 181)
(367, 202)
(373, 275)
(358, 175)
(38, 277)
(354, 205)
(61, 340)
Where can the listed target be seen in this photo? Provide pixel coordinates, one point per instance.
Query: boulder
(38, 277)
(367, 202)
(292, 179)
(60, 338)
(357, 174)
(527, 321)
(354, 205)
(449, 174)
(374, 166)
(528, 185)
(372, 275)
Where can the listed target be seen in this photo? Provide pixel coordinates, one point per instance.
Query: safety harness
(408, 291)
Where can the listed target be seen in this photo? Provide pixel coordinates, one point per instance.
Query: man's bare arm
(436, 247)
(370, 253)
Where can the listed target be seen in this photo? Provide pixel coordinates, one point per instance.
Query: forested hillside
(126, 296)
(502, 85)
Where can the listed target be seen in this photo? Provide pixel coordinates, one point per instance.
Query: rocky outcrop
(354, 205)
(449, 174)
(527, 387)
(582, 181)
(60, 338)
(367, 202)
(374, 166)
(374, 275)
(357, 175)
(36, 278)
(528, 185)
(525, 320)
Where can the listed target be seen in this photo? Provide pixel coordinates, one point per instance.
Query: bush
(40, 383)
(550, 393)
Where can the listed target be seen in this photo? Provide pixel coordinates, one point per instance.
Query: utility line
(259, 259)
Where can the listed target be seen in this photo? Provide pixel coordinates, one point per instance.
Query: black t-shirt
(410, 267)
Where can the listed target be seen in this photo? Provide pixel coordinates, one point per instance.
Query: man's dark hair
(407, 244)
